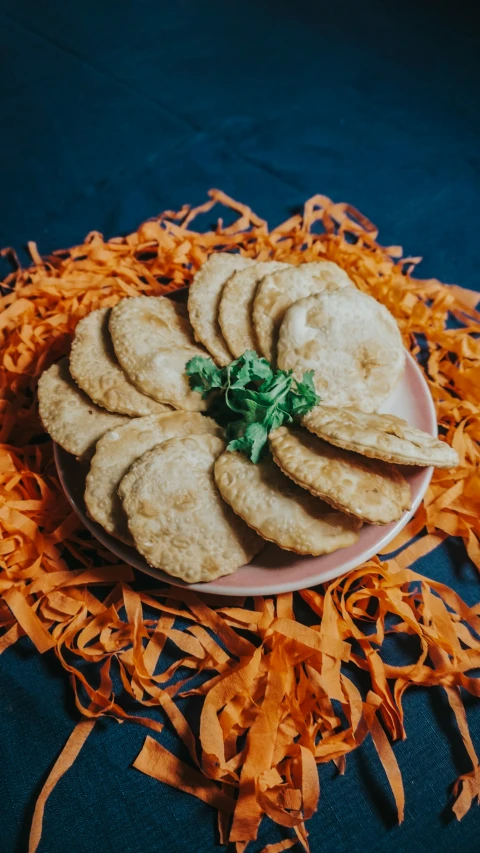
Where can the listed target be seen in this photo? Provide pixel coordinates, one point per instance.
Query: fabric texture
(112, 112)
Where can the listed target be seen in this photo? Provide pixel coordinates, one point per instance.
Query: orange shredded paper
(272, 687)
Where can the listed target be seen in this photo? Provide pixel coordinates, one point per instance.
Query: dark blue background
(114, 111)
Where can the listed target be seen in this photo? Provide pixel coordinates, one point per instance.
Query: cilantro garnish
(249, 399)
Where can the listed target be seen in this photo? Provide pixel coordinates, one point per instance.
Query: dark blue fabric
(114, 111)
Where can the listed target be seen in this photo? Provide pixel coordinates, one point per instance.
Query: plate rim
(234, 591)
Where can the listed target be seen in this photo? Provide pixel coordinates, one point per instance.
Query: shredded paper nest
(279, 695)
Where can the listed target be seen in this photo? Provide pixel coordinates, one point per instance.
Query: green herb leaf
(249, 368)
(204, 375)
(306, 386)
(251, 399)
(303, 396)
(253, 441)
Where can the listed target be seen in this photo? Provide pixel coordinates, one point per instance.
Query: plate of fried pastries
(147, 463)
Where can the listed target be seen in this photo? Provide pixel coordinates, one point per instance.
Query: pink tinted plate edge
(411, 399)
